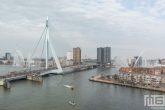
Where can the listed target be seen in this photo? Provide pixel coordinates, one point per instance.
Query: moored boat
(72, 103)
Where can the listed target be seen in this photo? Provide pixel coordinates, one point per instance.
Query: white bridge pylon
(48, 44)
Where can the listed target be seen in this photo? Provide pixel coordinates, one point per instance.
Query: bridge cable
(61, 42)
(43, 47)
(37, 45)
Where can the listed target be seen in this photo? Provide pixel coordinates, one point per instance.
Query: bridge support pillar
(34, 78)
(1, 82)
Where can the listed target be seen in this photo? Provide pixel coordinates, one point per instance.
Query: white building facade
(69, 55)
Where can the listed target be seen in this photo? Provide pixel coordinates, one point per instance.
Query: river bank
(98, 79)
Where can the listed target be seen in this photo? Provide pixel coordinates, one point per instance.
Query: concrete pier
(6, 84)
(1, 82)
(34, 77)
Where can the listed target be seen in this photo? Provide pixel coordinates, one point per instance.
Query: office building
(104, 55)
(99, 55)
(69, 55)
(137, 61)
(77, 55)
(8, 56)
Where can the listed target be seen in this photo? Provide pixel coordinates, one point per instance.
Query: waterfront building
(77, 55)
(104, 55)
(7, 56)
(152, 71)
(69, 63)
(69, 55)
(153, 79)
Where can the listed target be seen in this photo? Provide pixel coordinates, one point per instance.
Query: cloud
(123, 25)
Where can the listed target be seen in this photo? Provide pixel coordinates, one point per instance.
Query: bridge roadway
(22, 74)
(15, 75)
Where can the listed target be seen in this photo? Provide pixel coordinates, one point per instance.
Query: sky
(127, 26)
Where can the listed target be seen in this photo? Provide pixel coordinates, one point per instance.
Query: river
(52, 95)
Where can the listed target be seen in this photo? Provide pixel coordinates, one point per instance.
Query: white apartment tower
(69, 55)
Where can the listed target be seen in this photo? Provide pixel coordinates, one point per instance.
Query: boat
(72, 103)
(71, 87)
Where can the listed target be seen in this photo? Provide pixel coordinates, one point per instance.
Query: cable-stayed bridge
(49, 46)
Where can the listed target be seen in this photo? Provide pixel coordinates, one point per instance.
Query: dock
(96, 79)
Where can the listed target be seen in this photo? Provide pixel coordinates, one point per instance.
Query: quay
(98, 79)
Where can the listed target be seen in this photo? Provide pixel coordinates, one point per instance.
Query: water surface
(51, 95)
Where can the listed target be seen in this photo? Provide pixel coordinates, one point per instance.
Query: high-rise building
(104, 55)
(69, 55)
(138, 61)
(99, 55)
(8, 56)
(76, 55)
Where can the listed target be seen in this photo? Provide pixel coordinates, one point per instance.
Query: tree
(161, 82)
(108, 77)
(141, 79)
(102, 76)
(132, 78)
(115, 76)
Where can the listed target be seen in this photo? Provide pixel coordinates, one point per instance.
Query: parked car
(157, 87)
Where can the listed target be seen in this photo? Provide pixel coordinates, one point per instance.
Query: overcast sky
(127, 26)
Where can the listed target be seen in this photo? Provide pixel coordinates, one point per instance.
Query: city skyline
(82, 54)
(126, 26)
